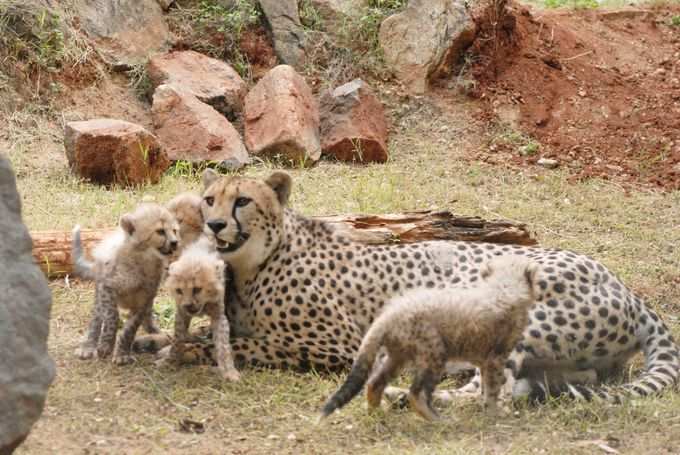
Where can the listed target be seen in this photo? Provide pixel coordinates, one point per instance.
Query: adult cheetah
(306, 294)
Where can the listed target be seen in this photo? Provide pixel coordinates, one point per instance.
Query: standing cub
(127, 269)
(196, 281)
(480, 325)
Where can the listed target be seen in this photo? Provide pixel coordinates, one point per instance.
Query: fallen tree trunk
(52, 249)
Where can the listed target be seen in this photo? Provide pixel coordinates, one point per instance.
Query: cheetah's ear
(127, 224)
(530, 273)
(281, 183)
(209, 177)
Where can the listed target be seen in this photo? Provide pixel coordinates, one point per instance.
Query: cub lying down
(427, 328)
(196, 281)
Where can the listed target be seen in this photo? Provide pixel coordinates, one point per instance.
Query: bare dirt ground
(599, 90)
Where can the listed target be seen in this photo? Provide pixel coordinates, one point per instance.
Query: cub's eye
(209, 200)
(242, 201)
(179, 291)
(196, 291)
(160, 232)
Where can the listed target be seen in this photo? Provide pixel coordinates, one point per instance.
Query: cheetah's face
(152, 226)
(244, 216)
(195, 284)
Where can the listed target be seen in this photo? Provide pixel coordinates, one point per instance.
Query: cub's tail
(360, 369)
(81, 266)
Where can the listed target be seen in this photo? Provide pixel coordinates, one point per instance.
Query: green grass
(214, 29)
(97, 407)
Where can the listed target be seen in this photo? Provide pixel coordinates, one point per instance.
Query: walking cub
(127, 269)
(479, 325)
(196, 281)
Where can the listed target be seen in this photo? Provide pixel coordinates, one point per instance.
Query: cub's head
(151, 226)
(511, 271)
(196, 279)
(244, 216)
(186, 208)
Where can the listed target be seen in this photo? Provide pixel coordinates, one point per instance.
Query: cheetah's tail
(662, 365)
(81, 266)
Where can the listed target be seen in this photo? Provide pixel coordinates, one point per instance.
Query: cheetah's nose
(216, 225)
(173, 245)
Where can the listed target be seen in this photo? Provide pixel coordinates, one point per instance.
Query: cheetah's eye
(179, 291)
(209, 200)
(242, 201)
(160, 232)
(196, 291)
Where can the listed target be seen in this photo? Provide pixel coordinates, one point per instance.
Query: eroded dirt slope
(600, 90)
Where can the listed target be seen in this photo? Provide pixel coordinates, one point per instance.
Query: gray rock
(284, 21)
(548, 163)
(422, 42)
(26, 369)
(127, 31)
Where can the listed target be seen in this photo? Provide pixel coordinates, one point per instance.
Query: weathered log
(52, 249)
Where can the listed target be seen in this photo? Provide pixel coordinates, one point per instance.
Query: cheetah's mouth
(230, 247)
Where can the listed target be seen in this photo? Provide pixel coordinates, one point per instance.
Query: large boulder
(191, 130)
(284, 22)
(211, 81)
(353, 126)
(26, 369)
(109, 151)
(282, 117)
(127, 31)
(422, 42)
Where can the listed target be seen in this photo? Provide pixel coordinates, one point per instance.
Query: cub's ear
(209, 177)
(486, 270)
(281, 183)
(127, 223)
(530, 273)
(172, 269)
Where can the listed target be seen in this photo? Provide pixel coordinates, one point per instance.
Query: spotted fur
(127, 270)
(307, 294)
(480, 325)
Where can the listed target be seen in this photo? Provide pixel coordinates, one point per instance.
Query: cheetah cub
(479, 325)
(127, 270)
(186, 208)
(196, 281)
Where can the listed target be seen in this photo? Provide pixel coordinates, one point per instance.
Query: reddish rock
(211, 81)
(422, 42)
(353, 126)
(282, 117)
(191, 130)
(109, 151)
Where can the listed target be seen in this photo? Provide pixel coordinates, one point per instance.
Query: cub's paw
(230, 375)
(122, 359)
(86, 352)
